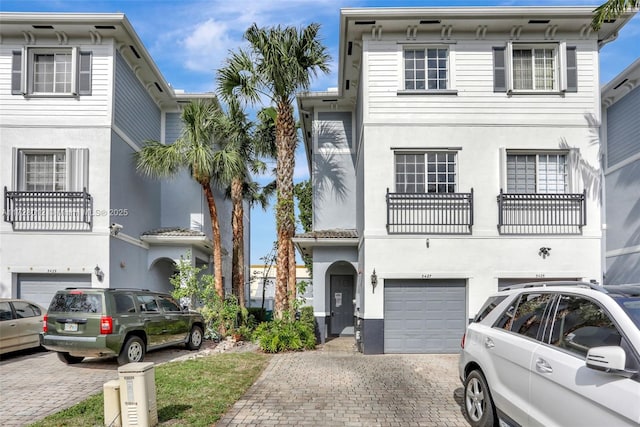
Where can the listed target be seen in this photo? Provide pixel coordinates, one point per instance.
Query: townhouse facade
(458, 155)
(620, 136)
(79, 95)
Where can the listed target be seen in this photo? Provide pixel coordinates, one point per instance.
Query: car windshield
(77, 302)
(632, 307)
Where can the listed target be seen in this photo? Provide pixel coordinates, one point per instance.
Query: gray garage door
(40, 288)
(424, 316)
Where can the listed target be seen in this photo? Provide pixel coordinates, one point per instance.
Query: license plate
(71, 327)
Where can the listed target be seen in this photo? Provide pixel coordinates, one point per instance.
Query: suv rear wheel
(195, 338)
(478, 406)
(69, 359)
(132, 351)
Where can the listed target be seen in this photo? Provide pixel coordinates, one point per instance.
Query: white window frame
(426, 172)
(566, 174)
(559, 68)
(28, 63)
(22, 168)
(450, 80)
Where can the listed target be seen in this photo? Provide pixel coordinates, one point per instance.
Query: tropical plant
(612, 9)
(221, 315)
(195, 150)
(280, 62)
(303, 194)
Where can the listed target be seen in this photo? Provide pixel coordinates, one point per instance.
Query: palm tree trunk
(217, 240)
(285, 219)
(292, 276)
(237, 225)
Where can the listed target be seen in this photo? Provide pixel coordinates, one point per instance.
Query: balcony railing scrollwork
(541, 213)
(48, 210)
(429, 213)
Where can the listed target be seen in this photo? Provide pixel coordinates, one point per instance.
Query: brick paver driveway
(337, 388)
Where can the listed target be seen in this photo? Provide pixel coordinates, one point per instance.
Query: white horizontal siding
(87, 110)
(475, 102)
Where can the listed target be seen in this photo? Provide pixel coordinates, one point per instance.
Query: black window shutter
(572, 69)
(499, 70)
(16, 73)
(84, 73)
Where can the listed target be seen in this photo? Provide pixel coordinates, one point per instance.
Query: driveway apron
(339, 387)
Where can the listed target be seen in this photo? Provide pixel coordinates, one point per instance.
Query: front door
(342, 305)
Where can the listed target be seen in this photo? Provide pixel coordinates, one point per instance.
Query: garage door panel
(424, 316)
(40, 288)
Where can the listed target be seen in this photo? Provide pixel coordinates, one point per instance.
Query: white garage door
(424, 316)
(40, 288)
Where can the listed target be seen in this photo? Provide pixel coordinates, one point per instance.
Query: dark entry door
(342, 305)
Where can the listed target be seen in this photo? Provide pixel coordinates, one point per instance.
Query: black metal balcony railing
(541, 213)
(48, 210)
(429, 213)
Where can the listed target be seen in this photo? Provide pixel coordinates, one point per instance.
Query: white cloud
(207, 44)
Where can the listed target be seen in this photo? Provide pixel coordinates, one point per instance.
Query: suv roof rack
(555, 283)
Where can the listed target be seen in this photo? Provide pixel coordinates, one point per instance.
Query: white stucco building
(459, 154)
(79, 95)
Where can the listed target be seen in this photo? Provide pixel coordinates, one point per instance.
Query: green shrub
(285, 335)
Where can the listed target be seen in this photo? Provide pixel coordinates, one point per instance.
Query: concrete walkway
(335, 386)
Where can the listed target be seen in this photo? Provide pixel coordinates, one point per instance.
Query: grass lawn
(190, 393)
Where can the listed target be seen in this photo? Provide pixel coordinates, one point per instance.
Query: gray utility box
(138, 395)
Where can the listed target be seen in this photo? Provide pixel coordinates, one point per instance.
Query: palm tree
(236, 133)
(197, 151)
(281, 61)
(611, 10)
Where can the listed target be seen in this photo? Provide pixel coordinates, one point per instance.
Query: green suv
(91, 322)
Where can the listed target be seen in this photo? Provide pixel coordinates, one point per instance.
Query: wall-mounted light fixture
(374, 280)
(544, 252)
(99, 273)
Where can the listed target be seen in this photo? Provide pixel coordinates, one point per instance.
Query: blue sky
(189, 39)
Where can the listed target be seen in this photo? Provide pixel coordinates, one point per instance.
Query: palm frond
(610, 10)
(158, 160)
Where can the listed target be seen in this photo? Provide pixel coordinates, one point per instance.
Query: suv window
(124, 303)
(488, 306)
(526, 314)
(580, 324)
(147, 303)
(76, 302)
(168, 304)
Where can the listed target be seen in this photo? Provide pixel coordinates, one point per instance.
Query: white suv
(554, 354)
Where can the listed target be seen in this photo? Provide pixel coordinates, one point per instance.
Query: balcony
(541, 213)
(429, 213)
(48, 210)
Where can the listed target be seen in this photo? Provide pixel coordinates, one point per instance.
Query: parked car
(554, 354)
(126, 323)
(20, 324)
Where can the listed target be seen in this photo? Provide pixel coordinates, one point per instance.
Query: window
(543, 67)
(24, 309)
(580, 324)
(534, 69)
(169, 305)
(5, 311)
(51, 170)
(438, 177)
(76, 302)
(51, 72)
(45, 171)
(537, 173)
(527, 315)
(148, 303)
(124, 304)
(488, 307)
(426, 69)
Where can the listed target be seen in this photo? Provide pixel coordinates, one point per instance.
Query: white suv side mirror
(610, 359)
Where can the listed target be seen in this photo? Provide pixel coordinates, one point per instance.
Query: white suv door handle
(488, 342)
(543, 366)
